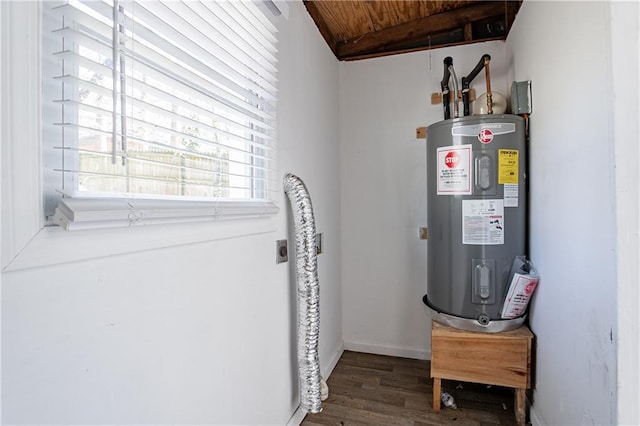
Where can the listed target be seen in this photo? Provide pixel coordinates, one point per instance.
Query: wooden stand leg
(436, 393)
(520, 406)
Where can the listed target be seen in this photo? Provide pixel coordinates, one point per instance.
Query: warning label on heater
(508, 166)
(482, 222)
(454, 170)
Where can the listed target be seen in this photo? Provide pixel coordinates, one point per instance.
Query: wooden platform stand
(501, 359)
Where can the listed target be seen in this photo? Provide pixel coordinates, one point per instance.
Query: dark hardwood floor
(367, 389)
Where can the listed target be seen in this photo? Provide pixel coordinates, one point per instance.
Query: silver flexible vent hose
(308, 293)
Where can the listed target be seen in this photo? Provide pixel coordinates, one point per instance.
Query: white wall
(308, 137)
(383, 198)
(577, 153)
(625, 52)
(200, 333)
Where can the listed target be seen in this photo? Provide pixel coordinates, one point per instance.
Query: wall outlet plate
(282, 252)
(319, 248)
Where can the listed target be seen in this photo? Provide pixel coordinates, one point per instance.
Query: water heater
(477, 217)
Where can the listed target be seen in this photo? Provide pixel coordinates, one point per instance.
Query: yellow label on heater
(507, 166)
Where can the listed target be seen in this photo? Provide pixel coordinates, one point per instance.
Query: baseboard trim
(298, 415)
(534, 418)
(326, 372)
(399, 351)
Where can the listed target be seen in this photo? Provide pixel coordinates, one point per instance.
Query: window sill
(102, 233)
(95, 213)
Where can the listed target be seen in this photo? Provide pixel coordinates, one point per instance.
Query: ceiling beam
(417, 30)
(512, 9)
(414, 49)
(322, 26)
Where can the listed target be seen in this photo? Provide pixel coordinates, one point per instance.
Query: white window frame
(27, 241)
(83, 213)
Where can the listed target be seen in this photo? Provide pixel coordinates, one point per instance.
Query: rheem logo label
(485, 136)
(452, 160)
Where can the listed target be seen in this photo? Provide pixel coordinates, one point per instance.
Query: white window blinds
(165, 100)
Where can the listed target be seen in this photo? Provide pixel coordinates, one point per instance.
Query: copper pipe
(456, 114)
(487, 76)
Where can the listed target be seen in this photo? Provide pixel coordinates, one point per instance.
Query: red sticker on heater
(485, 136)
(452, 159)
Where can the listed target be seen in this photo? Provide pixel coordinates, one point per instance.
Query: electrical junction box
(521, 97)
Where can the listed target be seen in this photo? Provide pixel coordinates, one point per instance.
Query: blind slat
(222, 22)
(99, 30)
(180, 94)
(216, 41)
(149, 159)
(265, 38)
(233, 107)
(139, 50)
(79, 173)
(157, 143)
(235, 130)
(198, 55)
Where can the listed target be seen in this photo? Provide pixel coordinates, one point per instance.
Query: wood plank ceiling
(359, 29)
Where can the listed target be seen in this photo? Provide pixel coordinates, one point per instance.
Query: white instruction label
(454, 170)
(520, 291)
(511, 195)
(482, 222)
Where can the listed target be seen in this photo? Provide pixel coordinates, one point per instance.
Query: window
(158, 110)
